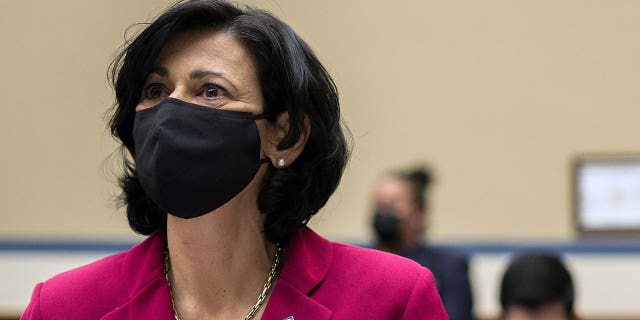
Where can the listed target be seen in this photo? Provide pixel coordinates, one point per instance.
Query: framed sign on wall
(606, 192)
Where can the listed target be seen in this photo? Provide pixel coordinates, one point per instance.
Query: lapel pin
(289, 318)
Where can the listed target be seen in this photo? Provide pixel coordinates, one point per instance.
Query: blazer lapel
(152, 302)
(289, 303)
(306, 264)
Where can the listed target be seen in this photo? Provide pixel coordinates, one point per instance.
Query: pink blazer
(320, 280)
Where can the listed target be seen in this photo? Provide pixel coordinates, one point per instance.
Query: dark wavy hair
(292, 80)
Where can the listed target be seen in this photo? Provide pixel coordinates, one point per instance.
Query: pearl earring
(281, 163)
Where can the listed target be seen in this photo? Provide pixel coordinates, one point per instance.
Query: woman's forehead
(206, 49)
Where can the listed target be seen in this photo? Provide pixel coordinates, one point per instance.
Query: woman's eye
(154, 92)
(211, 91)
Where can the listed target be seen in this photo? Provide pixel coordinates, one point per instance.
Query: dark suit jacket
(451, 273)
(320, 280)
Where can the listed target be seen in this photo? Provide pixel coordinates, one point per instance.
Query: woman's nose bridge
(180, 92)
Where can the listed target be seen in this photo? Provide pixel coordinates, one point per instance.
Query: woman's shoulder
(310, 250)
(345, 279)
(373, 260)
(97, 272)
(87, 287)
(98, 287)
(367, 267)
(408, 290)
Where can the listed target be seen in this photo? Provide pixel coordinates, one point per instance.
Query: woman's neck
(218, 262)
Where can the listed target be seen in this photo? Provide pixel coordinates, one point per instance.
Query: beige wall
(496, 95)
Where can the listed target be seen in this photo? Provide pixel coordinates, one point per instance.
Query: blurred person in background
(400, 213)
(537, 286)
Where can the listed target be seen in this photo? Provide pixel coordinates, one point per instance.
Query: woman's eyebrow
(199, 74)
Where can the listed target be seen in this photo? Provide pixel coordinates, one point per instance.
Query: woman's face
(212, 69)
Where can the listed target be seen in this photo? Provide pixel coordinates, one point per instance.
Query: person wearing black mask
(232, 141)
(400, 211)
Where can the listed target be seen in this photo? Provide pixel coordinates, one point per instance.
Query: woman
(401, 208)
(233, 130)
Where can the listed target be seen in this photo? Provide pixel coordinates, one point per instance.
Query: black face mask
(192, 159)
(387, 227)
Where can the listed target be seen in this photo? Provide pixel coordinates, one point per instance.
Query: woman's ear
(279, 129)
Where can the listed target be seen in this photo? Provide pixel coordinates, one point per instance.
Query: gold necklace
(273, 274)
